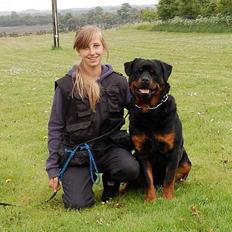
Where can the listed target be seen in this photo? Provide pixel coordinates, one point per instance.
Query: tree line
(164, 10)
(191, 9)
(190, 16)
(70, 21)
(15, 19)
(97, 16)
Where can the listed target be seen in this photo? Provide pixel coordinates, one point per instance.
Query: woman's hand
(54, 184)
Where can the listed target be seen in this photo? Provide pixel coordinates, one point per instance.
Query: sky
(19, 5)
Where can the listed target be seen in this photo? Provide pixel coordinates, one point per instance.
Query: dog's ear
(167, 69)
(128, 66)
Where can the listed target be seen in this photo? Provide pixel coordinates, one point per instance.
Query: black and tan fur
(155, 127)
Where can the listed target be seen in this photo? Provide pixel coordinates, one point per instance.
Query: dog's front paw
(168, 190)
(150, 196)
(167, 195)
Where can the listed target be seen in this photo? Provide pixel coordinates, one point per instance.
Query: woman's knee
(77, 203)
(126, 171)
(77, 188)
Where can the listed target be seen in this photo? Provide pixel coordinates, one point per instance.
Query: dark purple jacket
(56, 124)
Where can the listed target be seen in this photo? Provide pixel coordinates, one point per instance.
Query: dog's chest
(150, 139)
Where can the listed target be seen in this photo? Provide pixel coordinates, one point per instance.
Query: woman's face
(92, 55)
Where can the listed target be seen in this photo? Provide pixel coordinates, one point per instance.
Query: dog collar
(164, 99)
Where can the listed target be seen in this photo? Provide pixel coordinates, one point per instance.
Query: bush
(214, 24)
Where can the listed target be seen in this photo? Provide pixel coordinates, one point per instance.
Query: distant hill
(37, 21)
(74, 11)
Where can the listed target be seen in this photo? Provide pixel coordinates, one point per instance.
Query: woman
(88, 102)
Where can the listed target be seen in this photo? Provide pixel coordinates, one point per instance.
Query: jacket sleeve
(56, 127)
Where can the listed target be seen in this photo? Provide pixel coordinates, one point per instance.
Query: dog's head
(148, 80)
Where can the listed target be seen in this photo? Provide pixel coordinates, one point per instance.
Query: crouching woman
(89, 101)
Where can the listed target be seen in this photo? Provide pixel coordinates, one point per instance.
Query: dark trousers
(77, 184)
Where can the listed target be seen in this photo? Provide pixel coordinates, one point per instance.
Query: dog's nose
(145, 79)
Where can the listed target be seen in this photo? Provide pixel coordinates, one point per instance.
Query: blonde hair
(85, 86)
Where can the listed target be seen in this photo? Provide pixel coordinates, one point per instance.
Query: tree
(68, 22)
(109, 20)
(95, 16)
(148, 15)
(208, 8)
(224, 7)
(189, 9)
(167, 9)
(127, 14)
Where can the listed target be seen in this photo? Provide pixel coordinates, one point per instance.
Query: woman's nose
(91, 50)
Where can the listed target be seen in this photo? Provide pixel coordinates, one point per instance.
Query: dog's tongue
(144, 91)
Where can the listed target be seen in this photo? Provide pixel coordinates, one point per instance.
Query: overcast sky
(18, 5)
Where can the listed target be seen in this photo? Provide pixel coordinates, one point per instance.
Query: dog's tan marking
(150, 191)
(168, 190)
(183, 171)
(155, 100)
(138, 141)
(133, 86)
(168, 139)
(144, 109)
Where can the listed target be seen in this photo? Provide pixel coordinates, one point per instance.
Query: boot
(111, 188)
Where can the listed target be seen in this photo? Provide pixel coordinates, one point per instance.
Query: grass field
(201, 83)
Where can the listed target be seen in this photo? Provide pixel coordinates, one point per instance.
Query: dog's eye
(152, 72)
(140, 70)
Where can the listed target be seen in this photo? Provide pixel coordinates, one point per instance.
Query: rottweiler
(155, 127)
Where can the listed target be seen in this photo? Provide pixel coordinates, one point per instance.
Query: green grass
(201, 83)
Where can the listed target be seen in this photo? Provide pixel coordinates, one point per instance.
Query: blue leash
(92, 164)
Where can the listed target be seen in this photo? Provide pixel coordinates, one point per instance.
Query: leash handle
(92, 165)
(63, 169)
